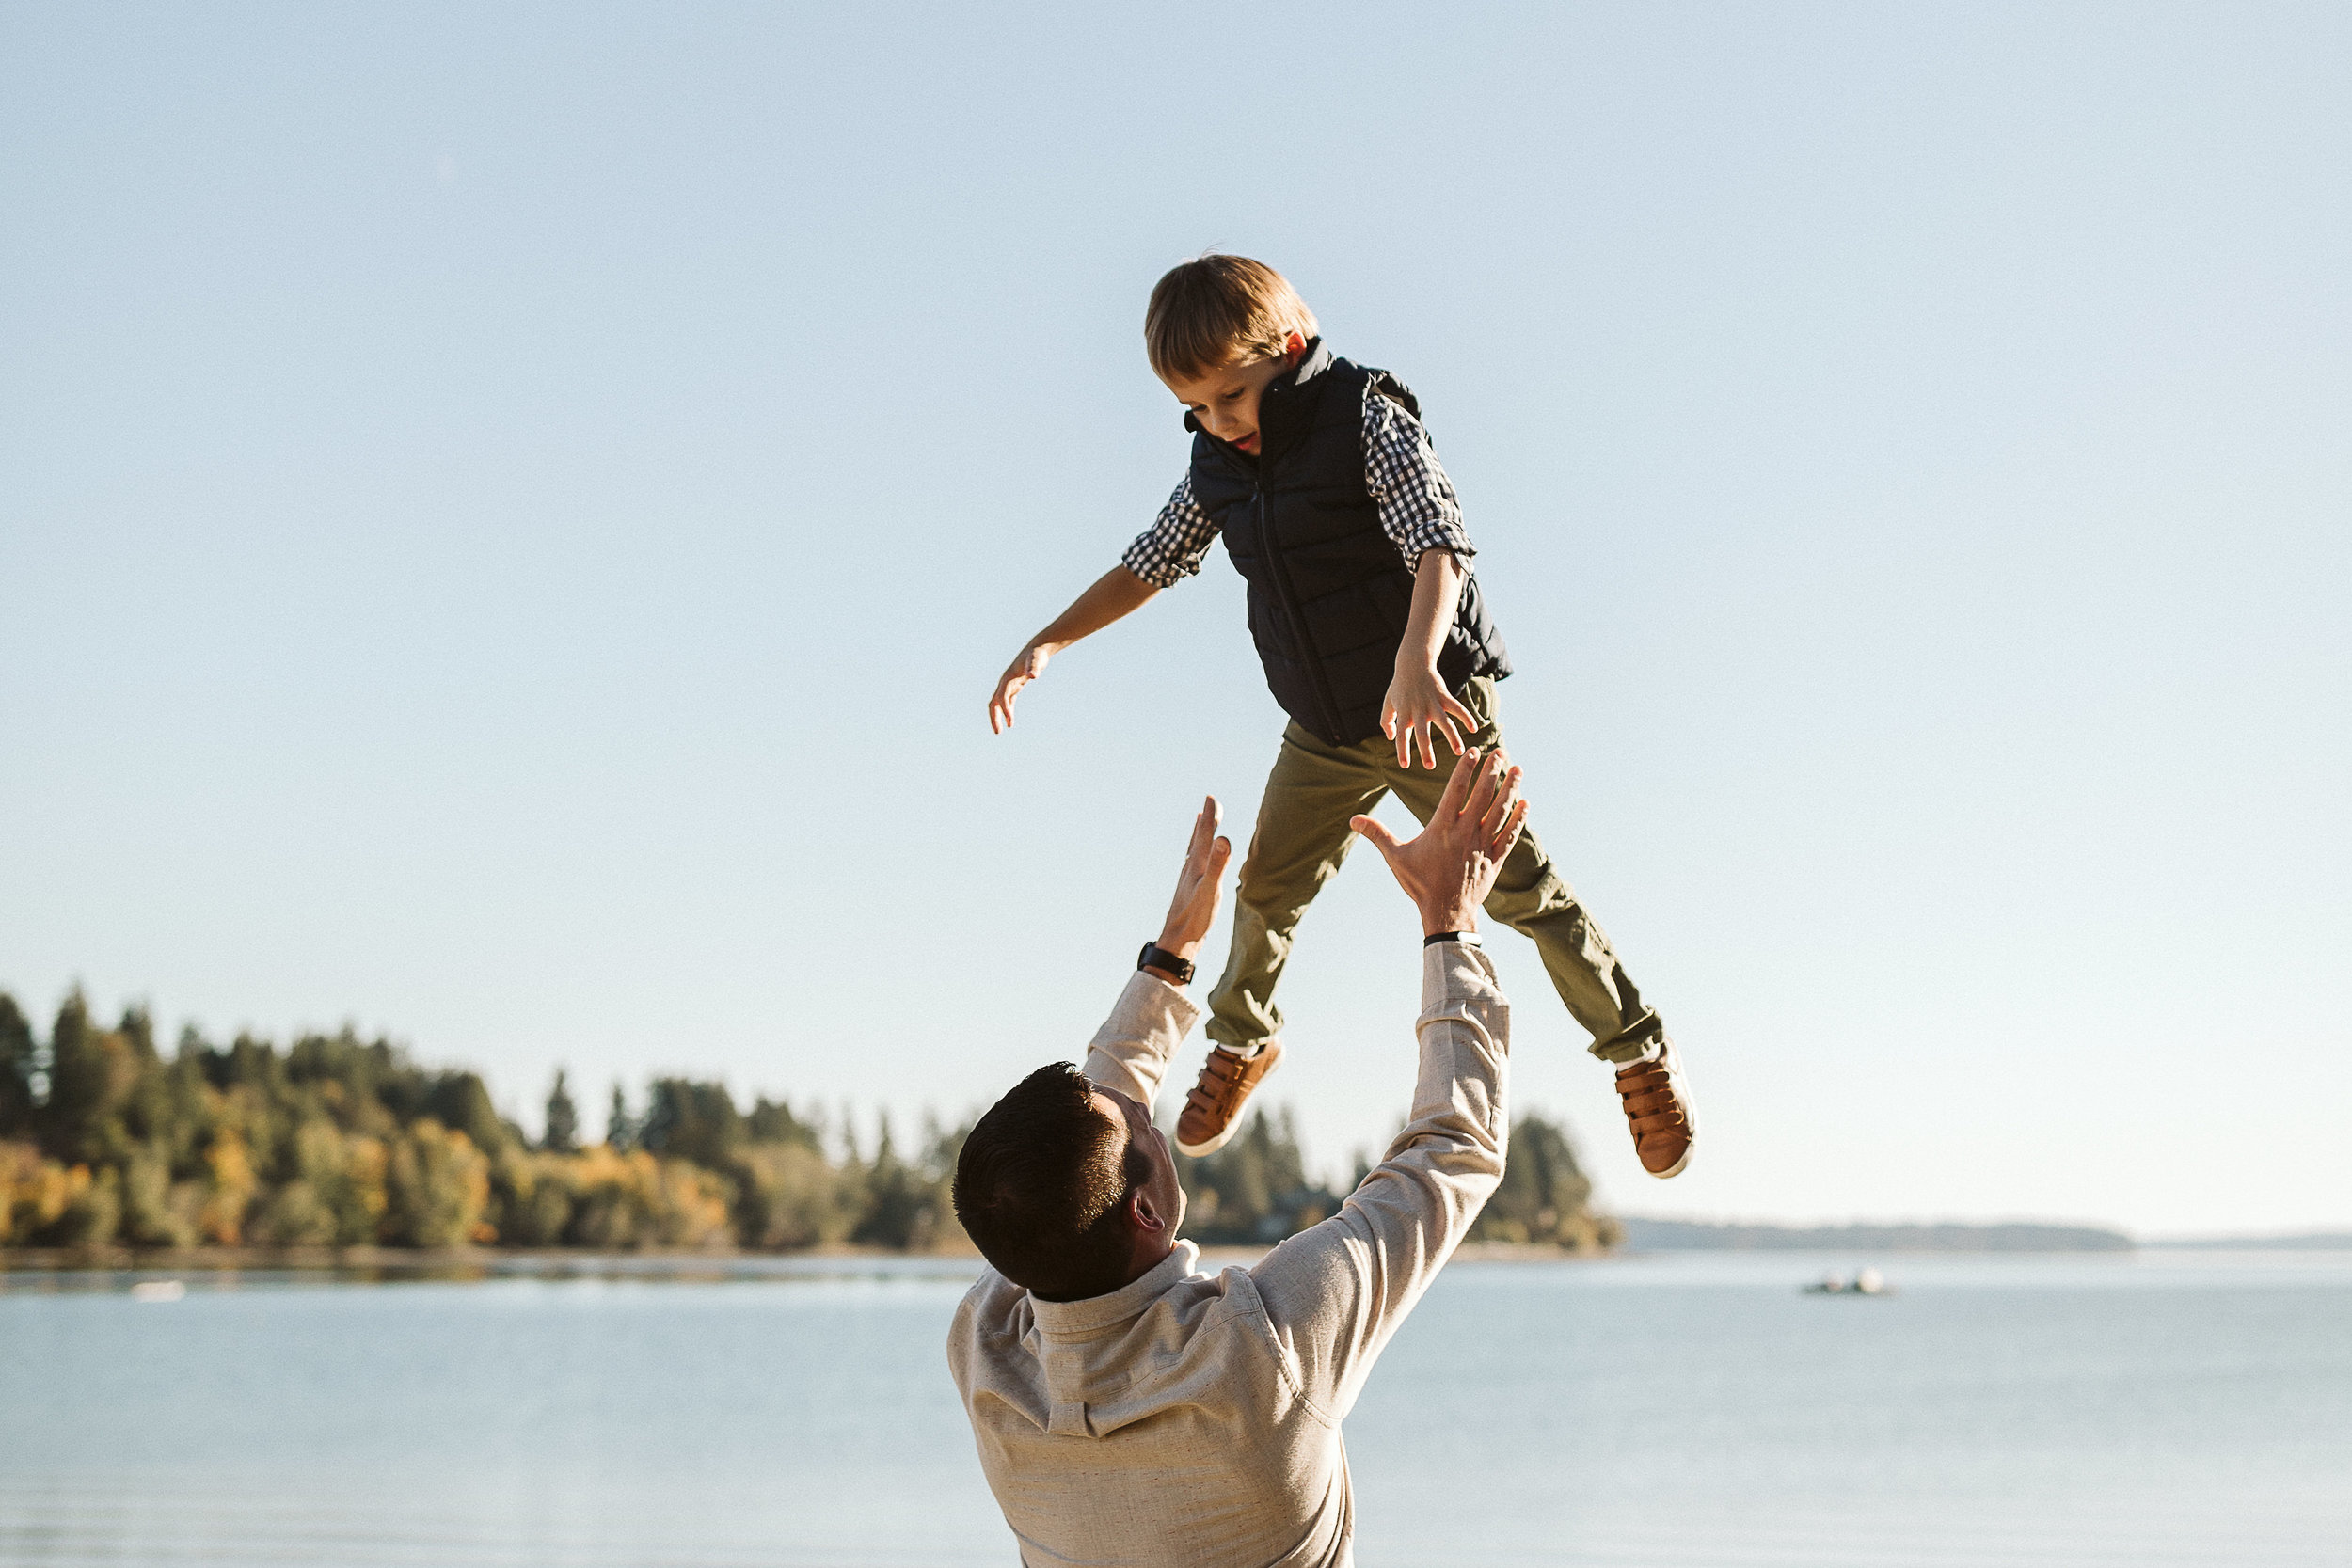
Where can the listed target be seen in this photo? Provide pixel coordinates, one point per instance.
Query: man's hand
(1418, 705)
(1451, 867)
(1198, 885)
(1026, 666)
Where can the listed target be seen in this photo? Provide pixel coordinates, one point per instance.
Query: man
(1131, 1410)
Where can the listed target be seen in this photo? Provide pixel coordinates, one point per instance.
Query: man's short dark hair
(1041, 1183)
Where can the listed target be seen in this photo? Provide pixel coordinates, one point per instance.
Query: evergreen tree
(894, 1197)
(1544, 1197)
(691, 1122)
(1254, 1189)
(88, 1070)
(620, 1128)
(461, 1102)
(16, 1070)
(771, 1121)
(563, 1130)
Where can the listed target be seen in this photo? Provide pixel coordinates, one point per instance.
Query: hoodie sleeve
(1130, 1051)
(1335, 1292)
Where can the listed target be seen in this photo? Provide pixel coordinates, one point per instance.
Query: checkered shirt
(1418, 509)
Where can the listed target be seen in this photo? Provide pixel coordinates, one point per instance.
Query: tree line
(106, 1140)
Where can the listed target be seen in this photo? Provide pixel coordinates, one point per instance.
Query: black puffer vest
(1329, 595)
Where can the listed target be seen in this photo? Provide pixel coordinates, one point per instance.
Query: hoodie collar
(1077, 1320)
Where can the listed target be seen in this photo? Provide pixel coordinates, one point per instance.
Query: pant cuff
(1233, 1040)
(1635, 1041)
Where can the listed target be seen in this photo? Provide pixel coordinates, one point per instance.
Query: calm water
(1691, 1410)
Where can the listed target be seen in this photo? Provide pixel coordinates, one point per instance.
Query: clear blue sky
(510, 517)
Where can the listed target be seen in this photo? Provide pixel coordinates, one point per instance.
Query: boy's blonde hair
(1216, 310)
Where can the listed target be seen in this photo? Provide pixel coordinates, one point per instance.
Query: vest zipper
(1310, 656)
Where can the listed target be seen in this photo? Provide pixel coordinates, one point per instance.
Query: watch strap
(1155, 957)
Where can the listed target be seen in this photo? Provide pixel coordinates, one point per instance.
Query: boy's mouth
(1249, 442)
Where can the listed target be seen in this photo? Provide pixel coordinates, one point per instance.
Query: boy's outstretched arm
(1116, 593)
(1418, 704)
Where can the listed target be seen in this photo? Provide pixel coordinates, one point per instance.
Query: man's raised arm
(1153, 1015)
(1336, 1293)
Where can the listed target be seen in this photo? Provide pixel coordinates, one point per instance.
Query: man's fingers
(1506, 792)
(1376, 833)
(1203, 824)
(1457, 788)
(1204, 838)
(1508, 839)
(1482, 789)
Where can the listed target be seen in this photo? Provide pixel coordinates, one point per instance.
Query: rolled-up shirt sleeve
(1172, 548)
(1418, 509)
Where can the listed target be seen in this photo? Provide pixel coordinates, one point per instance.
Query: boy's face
(1225, 402)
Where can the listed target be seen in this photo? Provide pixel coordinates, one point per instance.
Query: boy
(1376, 640)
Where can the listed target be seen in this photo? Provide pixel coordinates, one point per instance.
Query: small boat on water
(1866, 1282)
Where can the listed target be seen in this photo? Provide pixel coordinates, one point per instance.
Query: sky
(510, 517)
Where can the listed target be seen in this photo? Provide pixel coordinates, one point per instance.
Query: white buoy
(158, 1289)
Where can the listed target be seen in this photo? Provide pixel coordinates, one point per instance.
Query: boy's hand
(1416, 706)
(1116, 593)
(1025, 667)
(1451, 867)
(1198, 885)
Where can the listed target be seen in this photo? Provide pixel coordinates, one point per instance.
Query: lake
(1691, 1409)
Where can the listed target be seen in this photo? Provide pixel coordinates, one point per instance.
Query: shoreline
(484, 1260)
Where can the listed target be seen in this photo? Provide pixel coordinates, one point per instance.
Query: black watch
(1155, 957)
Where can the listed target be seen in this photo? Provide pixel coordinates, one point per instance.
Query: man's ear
(1144, 1214)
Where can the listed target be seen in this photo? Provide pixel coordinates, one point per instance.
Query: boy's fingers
(1454, 707)
(1452, 736)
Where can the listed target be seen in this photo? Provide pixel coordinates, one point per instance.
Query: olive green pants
(1301, 837)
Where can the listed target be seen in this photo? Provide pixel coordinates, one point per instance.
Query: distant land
(2308, 1241)
(1695, 1236)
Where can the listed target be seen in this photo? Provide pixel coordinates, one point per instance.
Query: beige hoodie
(1195, 1418)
